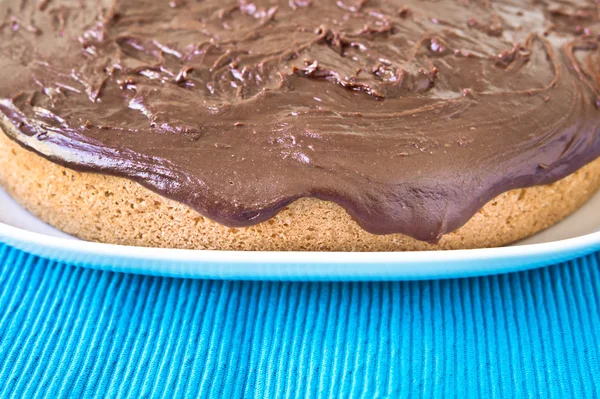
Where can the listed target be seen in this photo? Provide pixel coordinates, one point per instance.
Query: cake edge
(115, 210)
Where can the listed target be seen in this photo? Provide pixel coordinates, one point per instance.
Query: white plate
(577, 235)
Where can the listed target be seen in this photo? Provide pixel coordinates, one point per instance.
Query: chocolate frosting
(410, 114)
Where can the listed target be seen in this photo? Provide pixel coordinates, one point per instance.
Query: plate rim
(547, 249)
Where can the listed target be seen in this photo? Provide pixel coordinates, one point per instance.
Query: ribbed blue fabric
(73, 332)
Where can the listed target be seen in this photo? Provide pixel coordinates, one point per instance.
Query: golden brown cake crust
(116, 210)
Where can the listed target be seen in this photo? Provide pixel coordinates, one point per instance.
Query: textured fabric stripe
(73, 332)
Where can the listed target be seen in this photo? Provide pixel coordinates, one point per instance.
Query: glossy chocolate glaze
(410, 114)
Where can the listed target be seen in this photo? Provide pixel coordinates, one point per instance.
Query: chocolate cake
(299, 124)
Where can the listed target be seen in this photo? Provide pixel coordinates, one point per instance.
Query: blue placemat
(73, 332)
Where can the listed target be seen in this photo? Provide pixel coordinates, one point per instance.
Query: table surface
(73, 332)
